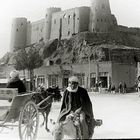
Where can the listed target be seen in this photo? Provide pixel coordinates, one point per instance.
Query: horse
(72, 128)
(44, 99)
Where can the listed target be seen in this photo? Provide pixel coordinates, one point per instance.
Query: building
(59, 24)
(108, 72)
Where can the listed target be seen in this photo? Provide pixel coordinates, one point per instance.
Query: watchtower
(18, 34)
(101, 19)
(48, 21)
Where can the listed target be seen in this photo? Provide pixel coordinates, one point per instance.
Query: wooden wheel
(28, 122)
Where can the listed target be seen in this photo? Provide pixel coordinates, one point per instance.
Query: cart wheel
(28, 121)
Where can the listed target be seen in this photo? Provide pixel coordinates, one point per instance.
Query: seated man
(15, 82)
(77, 98)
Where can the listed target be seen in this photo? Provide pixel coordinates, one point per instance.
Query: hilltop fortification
(58, 24)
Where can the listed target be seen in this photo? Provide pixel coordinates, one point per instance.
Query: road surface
(120, 114)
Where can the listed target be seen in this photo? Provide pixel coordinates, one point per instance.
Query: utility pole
(88, 53)
(89, 71)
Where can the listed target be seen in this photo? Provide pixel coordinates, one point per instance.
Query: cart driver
(15, 82)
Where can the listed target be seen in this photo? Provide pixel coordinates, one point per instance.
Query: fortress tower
(101, 19)
(18, 34)
(48, 21)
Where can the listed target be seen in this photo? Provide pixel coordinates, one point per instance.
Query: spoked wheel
(28, 122)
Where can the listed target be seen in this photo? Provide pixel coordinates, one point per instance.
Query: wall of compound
(122, 72)
(28, 39)
(69, 22)
(59, 24)
(37, 31)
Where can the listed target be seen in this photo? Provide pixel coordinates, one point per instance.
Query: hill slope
(99, 47)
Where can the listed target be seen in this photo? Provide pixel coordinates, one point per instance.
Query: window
(103, 6)
(69, 19)
(68, 32)
(40, 80)
(74, 15)
(53, 80)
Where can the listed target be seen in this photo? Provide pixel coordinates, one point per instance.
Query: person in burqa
(15, 82)
(76, 97)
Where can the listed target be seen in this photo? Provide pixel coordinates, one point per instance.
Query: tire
(28, 121)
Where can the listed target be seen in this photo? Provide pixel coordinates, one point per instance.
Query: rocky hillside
(116, 46)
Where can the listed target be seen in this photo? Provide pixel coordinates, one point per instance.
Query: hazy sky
(127, 13)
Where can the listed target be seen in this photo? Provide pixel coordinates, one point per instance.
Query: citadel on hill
(59, 24)
(116, 47)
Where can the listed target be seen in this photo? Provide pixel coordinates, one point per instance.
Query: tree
(20, 60)
(28, 59)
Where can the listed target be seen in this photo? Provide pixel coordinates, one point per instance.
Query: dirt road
(120, 114)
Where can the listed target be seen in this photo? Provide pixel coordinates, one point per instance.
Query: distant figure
(113, 89)
(109, 89)
(120, 87)
(138, 86)
(124, 87)
(100, 86)
(15, 82)
(24, 81)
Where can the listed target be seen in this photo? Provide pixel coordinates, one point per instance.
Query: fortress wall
(128, 30)
(84, 18)
(69, 22)
(28, 39)
(59, 24)
(37, 31)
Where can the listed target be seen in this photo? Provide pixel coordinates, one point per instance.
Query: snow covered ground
(120, 114)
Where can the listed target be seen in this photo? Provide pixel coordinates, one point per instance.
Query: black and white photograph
(69, 69)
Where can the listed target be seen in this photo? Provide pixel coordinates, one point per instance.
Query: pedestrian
(15, 82)
(138, 86)
(76, 97)
(120, 87)
(124, 87)
(113, 88)
(109, 88)
(100, 86)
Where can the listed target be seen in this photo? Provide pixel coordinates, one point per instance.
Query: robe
(75, 100)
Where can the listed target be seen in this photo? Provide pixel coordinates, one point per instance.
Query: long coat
(17, 83)
(72, 101)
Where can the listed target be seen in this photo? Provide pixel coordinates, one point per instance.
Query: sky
(127, 13)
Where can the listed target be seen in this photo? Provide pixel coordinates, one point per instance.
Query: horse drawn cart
(21, 109)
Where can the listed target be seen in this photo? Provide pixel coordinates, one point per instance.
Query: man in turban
(76, 98)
